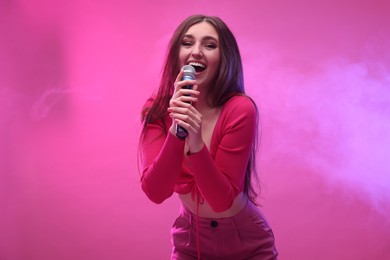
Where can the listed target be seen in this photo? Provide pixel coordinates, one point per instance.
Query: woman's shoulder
(238, 109)
(238, 112)
(240, 102)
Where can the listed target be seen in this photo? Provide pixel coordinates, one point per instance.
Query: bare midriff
(205, 211)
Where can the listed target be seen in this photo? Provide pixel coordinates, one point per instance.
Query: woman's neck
(203, 104)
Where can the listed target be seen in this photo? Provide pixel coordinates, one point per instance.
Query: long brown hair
(229, 82)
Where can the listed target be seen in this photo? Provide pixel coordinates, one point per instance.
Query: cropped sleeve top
(216, 174)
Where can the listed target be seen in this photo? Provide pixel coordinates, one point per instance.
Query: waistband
(248, 210)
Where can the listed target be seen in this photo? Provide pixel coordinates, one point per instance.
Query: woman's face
(200, 48)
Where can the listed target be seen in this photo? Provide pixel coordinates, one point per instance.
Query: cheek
(216, 59)
(181, 52)
(216, 63)
(182, 58)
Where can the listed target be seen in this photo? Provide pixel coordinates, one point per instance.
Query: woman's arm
(162, 155)
(161, 162)
(221, 179)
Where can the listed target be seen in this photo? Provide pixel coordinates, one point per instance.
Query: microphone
(189, 73)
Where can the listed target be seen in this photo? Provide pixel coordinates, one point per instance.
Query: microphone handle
(181, 132)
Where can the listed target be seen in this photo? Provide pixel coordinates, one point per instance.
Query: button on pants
(245, 236)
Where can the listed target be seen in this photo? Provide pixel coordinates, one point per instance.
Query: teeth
(197, 64)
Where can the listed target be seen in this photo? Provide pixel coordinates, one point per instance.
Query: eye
(211, 45)
(186, 43)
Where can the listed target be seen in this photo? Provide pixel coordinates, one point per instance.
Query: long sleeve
(161, 162)
(220, 179)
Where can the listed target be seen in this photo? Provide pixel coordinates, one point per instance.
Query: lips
(199, 67)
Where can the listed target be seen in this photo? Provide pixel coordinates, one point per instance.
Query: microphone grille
(189, 71)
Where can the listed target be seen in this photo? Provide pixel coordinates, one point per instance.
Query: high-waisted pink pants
(245, 236)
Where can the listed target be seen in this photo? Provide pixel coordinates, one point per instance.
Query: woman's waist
(205, 210)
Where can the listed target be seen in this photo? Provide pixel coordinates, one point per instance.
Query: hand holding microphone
(185, 116)
(189, 73)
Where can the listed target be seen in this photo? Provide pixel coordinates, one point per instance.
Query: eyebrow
(207, 37)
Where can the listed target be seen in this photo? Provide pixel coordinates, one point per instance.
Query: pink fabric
(217, 174)
(246, 235)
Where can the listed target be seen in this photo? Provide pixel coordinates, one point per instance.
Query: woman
(211, 168)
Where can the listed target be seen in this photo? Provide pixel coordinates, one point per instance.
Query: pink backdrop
(74, 75)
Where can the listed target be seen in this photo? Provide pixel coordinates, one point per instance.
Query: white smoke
(337, 120)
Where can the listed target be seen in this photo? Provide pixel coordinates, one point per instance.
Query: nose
(197, 50)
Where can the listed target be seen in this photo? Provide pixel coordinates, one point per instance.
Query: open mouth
(199, 67)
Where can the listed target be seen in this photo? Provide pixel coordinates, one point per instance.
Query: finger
(179, 76)
(184, 96)
(188, 123)
(176, 84)
(180, 83)
(187, 92)
(180, 111)
(188, 115)
(184, 84)
(184, 104)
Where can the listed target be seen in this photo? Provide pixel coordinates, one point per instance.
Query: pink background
(74, 75)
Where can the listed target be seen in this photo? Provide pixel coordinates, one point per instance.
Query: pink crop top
(217, 175)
